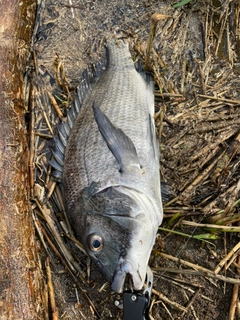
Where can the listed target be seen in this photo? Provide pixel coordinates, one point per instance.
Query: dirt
(190, 65)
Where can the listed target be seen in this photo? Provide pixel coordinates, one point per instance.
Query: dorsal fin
(117, 141)
(58, 144)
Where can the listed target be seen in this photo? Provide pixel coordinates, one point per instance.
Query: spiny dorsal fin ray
(59, 142)
(117, 141)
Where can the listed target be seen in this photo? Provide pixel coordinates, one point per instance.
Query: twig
(51, 223)
(54, 310)
(161, 116)
(222, 29)
(44, 135)
(213, 227)
(51, 189)
(66, 264)
(234, 300)
(181, 214)
(228, 101)
(223, 261)
(209, 207)
(32, 143)
(191, 301)
(235, 296)
(207, 273)
(39, 104)
(216, 126)
(200, 270)
(211, 146)
(168, 312)
(155, 18)
(186, 194)
(171, 303)
(55, 106)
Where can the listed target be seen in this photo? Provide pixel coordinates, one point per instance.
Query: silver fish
(111, 171)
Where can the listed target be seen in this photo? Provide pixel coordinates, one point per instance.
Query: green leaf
(182, 3)
(205, 236)
(171, 221)
(202, 237)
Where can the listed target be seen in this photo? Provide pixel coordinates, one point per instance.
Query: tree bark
(21, 281)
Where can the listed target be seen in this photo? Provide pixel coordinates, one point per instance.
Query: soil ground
(195, 62)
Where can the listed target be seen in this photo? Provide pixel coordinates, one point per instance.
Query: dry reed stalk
(53, 307)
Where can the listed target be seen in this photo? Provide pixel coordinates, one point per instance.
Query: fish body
(111, 171)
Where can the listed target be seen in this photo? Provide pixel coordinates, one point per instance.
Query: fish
(110, 169)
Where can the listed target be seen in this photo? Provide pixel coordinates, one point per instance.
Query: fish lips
(134, 263)
(120, 275)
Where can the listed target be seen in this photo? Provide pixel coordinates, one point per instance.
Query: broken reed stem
(166, 309)
(202, 79)
(234, 301)
(235, 297)
(161, 116)
(227, 101)
(44, 135)
(212, 227)
(53, 307)
(228, 256)
(55, 106)
(64, 250)
(211, 146)
(73, 275)
(32, 142)
(209, 207)
(188, 191)
(181, 214)
(208, 273)
(171, 303)
(216, 126)
(40, 106)
(191, 301)
(51, 189)
(39, 230)
(222, 27)
(154, 21)
(200, 164)
(198, 270)
(232, 199)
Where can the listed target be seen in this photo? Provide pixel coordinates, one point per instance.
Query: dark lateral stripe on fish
(117, 141)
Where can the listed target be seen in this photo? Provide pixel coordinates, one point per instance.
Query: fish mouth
(125, 271)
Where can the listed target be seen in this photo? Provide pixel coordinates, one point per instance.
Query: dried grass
(197, 117)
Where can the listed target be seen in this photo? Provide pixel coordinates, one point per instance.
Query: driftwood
(21, 283)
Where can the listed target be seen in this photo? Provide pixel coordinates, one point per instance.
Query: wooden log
(21, 282)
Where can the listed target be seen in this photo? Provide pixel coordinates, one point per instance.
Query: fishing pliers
(136, 303)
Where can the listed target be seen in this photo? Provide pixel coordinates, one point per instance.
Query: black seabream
(111, 171)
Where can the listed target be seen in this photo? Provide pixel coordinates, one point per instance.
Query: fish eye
(95, 242)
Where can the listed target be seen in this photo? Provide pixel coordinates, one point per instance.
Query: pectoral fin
(117, 141)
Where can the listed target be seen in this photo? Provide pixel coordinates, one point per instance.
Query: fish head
(132, 264)
(118, 234)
